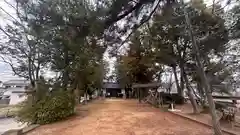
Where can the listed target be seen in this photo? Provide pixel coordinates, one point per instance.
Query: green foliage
(165, 41)
(233, 17)
(54, 107)
(68, 37)
(175, 49)
(138, 65)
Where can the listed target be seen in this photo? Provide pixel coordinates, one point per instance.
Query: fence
(4, 101)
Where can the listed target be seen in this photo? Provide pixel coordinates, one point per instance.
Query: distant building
(111, 89)
(15, 91)
(167, 87)
(15, 95)
(16, 83)
(2, 90)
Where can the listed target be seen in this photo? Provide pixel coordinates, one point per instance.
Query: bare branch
(113, 19)
(10, 63)
(4, 32)
(9, 15)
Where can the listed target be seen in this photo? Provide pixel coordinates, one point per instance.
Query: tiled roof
(16, 82)
(14, 90)
(147, 85)
(111, 85)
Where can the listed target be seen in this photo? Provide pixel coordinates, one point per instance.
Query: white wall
(104, 91)
(7, 93)
(123, 91)
(15, 98)
(173, 88)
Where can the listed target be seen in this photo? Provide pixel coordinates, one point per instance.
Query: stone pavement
(9, 123)
(186, 111)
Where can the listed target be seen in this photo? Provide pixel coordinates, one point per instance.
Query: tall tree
(201, 73)
(24, 49)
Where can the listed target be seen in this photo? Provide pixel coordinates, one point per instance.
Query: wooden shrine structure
(141, 88)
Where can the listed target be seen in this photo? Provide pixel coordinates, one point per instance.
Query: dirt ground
(122, 117)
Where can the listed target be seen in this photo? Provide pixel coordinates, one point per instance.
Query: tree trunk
(182, 78)
(30, 72)
(182, 75)
(85, 97)
(85, 94)
(37, 71)
(139, 95)
(190, 95)
(202, 95)
(179, 90)
(215, 122)
(77, 94)
(65, 71)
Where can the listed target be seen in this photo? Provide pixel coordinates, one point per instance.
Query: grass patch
(3, 106)
(8, 111)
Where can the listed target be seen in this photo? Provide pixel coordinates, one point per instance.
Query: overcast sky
(5, 70)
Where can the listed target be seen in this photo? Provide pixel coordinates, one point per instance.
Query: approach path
(122, 117)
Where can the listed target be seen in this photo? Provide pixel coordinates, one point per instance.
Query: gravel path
(122, 117)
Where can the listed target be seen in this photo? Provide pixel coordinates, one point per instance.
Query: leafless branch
(112, 19)
(213, 7)
(9, 14)
(10, 63)
(4, 32)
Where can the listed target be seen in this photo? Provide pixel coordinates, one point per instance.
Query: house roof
(135, 85)
(14, 90)
(147, 85)
(16, 82)
(2, 89)
(111, 85)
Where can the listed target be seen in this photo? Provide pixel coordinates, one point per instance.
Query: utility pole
(201, 72)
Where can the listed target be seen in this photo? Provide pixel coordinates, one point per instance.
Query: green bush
(54, 107)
